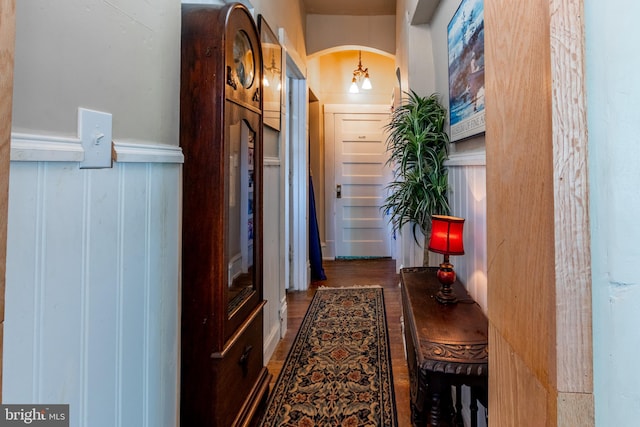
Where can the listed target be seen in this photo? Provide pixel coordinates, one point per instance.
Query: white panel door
(361, 176)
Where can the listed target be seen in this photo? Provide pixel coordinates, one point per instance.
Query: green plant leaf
(417, 146)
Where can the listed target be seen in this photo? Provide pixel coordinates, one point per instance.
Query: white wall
(288, 15)
(328, 31)
(614, 146)
(120, 57)
(92, 284)
(414, 51)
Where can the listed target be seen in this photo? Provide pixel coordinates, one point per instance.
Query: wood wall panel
(537, 218)
(575, 409)
(571, 197)
(519, 399)
(7, 49)
(520, 220)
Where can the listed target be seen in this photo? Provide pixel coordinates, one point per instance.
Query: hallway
(341, 273)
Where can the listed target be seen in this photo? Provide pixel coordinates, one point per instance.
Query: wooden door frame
(7, 52)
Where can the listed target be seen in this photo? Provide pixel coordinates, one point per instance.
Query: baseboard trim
(270, 343)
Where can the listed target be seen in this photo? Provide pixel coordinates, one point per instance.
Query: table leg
(458, 422)
(441, 411)
(473, 407)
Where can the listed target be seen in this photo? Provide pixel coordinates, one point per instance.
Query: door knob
(339, 191)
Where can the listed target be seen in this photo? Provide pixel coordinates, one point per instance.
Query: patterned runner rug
(338, 372)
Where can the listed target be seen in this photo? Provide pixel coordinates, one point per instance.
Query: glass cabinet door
(241, 214)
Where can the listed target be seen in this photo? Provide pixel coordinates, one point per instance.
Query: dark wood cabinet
(446, 347)
(223, 377)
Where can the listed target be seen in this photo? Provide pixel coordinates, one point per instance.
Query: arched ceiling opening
(343, 48)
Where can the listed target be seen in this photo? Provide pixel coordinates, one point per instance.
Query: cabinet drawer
(238, 368)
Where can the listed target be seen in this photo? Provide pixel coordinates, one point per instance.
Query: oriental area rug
(338, 371)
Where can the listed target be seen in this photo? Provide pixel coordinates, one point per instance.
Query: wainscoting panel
(273, 283)
(92, 293)
(468, 199)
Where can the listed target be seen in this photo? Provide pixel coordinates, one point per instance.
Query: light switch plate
(95, 132)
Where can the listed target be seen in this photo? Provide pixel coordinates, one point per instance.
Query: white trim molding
(272, 161)
(135, 152)
(47, 148)
(471, 158)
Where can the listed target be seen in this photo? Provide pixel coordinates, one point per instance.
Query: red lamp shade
(446, 235)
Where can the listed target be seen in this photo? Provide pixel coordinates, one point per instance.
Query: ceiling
(350, 7)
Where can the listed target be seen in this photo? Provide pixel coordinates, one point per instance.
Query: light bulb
(354, 86)
(366, 84)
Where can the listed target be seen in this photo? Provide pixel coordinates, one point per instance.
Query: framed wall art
(465, 40)
(271, 74)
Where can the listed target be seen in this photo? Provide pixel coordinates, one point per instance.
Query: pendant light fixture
(273, 71)
(360, 74)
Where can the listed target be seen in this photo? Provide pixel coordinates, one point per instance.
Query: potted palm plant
(418, 147)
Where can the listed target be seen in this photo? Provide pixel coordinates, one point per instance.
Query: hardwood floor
(340, 273)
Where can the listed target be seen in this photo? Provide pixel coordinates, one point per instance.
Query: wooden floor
(340, 273)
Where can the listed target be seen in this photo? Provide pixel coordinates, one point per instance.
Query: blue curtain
(315, 248)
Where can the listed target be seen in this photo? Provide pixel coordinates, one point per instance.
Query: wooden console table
(446, 347)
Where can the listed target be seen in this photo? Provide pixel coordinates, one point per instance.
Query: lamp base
(444, 298)
(446, 277)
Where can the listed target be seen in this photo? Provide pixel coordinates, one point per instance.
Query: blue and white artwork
(465, 37)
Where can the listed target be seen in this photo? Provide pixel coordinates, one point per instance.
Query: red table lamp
(446, 239)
